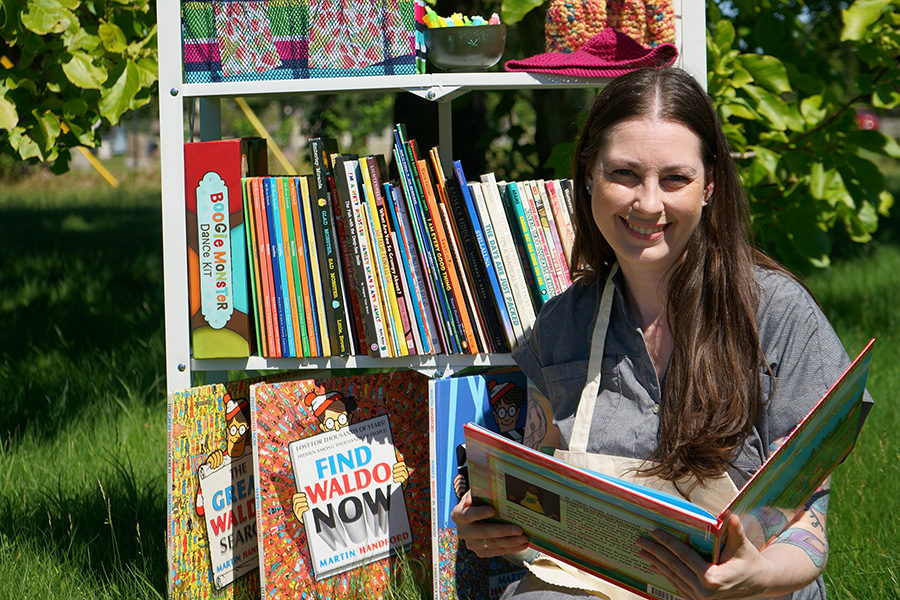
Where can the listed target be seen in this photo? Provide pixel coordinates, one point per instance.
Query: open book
(592, 520)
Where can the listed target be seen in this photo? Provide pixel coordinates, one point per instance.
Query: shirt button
(655, 408)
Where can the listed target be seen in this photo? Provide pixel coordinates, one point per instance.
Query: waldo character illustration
(237, 442)
(332, 411)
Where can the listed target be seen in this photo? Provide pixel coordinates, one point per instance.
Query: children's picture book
(495, 399)
(342, 482)
(592, 520)
(213, 550)
(220, 310)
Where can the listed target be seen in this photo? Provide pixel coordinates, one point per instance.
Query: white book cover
(537, 236)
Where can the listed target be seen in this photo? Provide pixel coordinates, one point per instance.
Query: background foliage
(69, 68)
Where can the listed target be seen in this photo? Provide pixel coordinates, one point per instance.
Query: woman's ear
(708, 190)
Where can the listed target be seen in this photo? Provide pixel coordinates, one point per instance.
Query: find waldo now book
(211, 520)
(342, 483)
(495, 399)
(221, 321)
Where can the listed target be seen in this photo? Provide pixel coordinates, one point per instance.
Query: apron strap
(582, 426)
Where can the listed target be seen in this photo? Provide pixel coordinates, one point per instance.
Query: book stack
(349, 261)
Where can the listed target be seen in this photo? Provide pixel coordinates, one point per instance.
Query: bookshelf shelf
(175, 96)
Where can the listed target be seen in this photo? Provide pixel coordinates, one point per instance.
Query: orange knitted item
(571, 23)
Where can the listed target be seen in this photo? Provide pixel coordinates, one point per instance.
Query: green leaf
(886, 96)
(47, 16)
(514, 11)
(827, 184)
(812, 111)
(859, 16)
(767, 71)
(82, 72)
(769, 106)
(24, 145)
(148, 70)
(115, 100)
(9, 118)
(113, 38)
(723, 36)
(801, 224)
(738, 107)
(885, 202)
(767, 159)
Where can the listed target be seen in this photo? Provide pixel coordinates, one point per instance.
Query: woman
(700, 352)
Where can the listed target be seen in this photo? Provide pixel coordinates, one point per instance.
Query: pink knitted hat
(608, 54)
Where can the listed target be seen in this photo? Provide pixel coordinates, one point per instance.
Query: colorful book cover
(554, 246)
(306, 300)
(508, 252)
(220, 317)
(490, 237)
(323, 338)
(592, 520)
(496, 400)
(403, 275)
(568, 197)
(525, 244)
(310, 300)
(342, 482)
(355, 330)
(561, 216)
(211, 533)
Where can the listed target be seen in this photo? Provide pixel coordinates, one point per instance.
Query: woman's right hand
(485, 539)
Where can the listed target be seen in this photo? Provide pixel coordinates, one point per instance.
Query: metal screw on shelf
(431, 95)
(181, 367)
(173, 91)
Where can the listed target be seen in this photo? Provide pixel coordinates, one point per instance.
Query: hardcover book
(592, 520)
(220, 311)
(496, 400)
(342, 482)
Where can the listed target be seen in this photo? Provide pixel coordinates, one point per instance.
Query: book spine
(514, 327)
(537, 236)
(526, 246)
(325, 252)
(555, 236)
(555, 254)
(290, 300)
(426, 321)
(355, 332)
(312, 255)
(568, 197)
(308, 344)
(309, 298)
(509, 253)
(563, 222)
(398, 300)
(296, 253)
(449, 276)
(265, 262)
(277, 269)
(450, 323)
(253, 264)
(393, 323)
(344, 175)
(378, 342)
(471, 248)
(426, 258)
(403, 271)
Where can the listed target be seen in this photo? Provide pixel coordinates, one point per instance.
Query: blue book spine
(277, 266)
(482, 243)
(275, 182)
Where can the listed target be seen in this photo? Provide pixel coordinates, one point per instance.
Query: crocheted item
(608, 54)
(571, 23)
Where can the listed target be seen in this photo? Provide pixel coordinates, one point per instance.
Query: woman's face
(648, 187)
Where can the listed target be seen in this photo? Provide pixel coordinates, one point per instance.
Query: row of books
(348, 260)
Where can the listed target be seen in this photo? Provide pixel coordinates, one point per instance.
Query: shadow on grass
(81, 307)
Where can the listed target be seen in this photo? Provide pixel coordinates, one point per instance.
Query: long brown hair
(712, 396)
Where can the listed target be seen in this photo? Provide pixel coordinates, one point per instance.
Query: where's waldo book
(342, 482)
(497, 401)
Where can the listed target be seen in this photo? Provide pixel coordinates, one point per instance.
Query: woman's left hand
(742, 573)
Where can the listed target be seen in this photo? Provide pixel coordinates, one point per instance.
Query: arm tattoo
(817, 507)
(535, 423)
(809, 542)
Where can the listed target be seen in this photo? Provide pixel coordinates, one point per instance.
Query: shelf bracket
(440, 92)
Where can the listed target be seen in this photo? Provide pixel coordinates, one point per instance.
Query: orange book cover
(290, 256)
(303, 263)
(265, 258)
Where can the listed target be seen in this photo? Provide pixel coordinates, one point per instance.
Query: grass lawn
(83, 433)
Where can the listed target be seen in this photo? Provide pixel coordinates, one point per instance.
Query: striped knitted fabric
(252, 40)
(571, 23)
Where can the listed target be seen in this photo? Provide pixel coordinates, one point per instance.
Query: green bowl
(465, 48)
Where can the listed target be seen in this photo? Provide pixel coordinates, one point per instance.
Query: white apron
(713, 496)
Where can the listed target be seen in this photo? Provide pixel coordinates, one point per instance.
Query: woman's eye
(623, 173)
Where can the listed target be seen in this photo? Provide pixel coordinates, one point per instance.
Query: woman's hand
(485, 539)
(742, 573)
